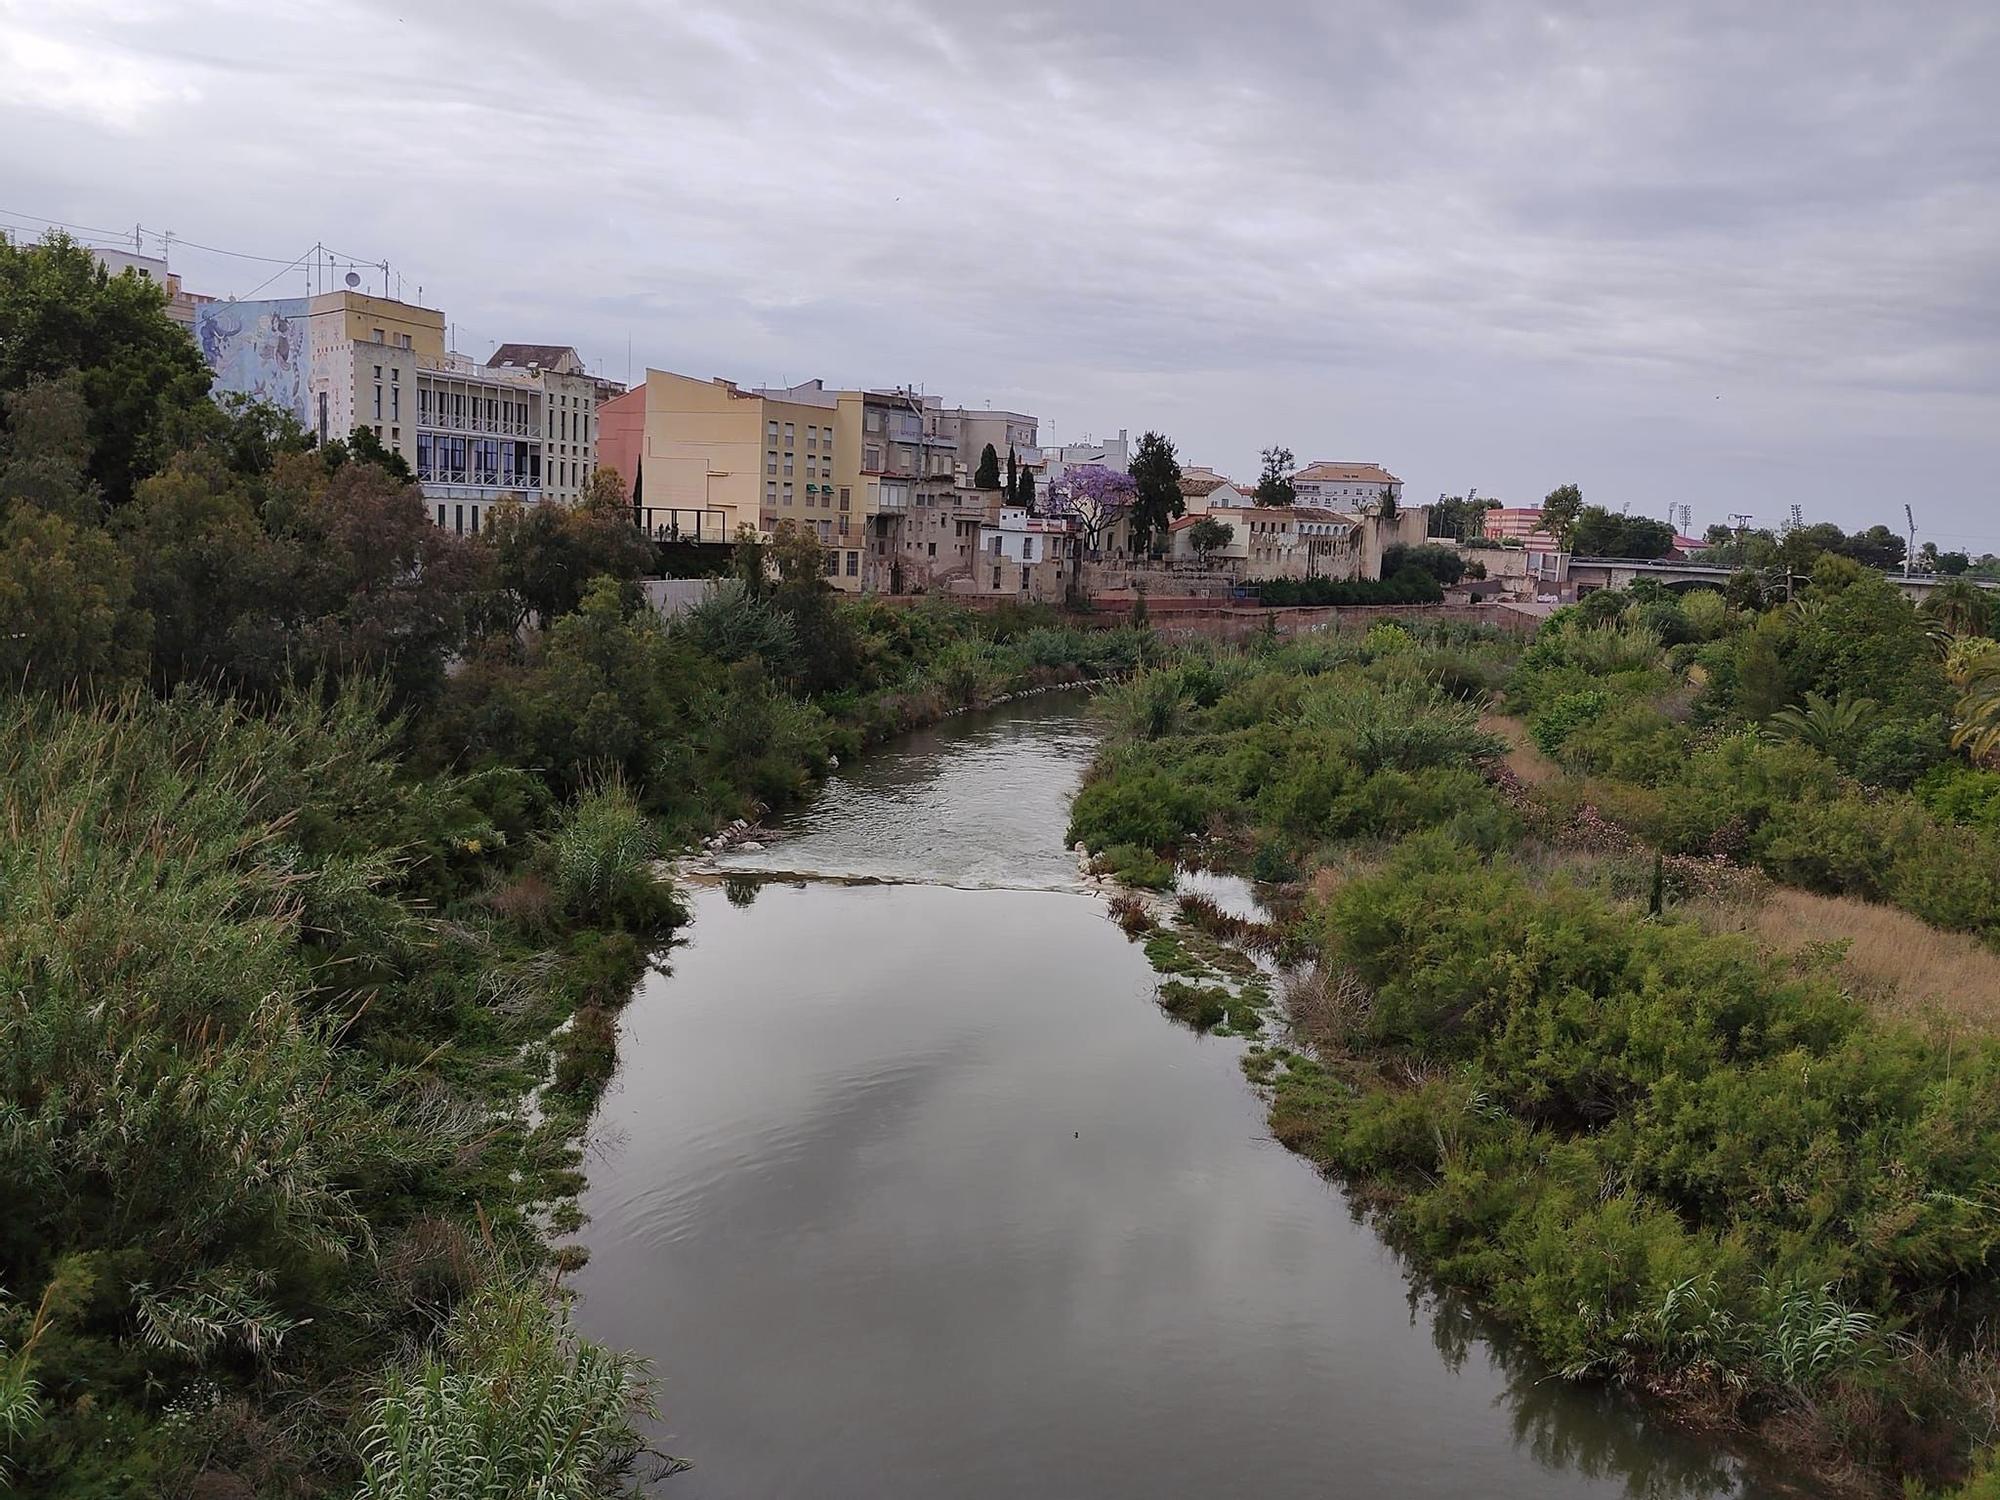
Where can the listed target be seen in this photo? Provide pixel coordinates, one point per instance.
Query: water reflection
(915, 1194)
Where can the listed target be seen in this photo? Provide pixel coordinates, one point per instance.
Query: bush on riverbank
(1667, 1159)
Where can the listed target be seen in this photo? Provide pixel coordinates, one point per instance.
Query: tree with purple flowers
(1096, 497)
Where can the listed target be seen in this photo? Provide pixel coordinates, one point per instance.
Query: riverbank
(319, 996)
(1668, 1161)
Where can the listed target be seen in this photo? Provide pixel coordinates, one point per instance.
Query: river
(907, 1189)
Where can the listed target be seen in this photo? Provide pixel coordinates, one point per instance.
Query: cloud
(1483, 243)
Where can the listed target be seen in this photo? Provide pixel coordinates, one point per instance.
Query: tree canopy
(1156, 479)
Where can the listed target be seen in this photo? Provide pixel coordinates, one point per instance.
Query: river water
(907, 1189)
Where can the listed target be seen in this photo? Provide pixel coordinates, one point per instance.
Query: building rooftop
(560, 358)
(1199, 482)
(1335, 471)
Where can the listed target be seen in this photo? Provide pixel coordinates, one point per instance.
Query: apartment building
(474, 435)
(1341, 485)
(702, 457)
(1025, 555)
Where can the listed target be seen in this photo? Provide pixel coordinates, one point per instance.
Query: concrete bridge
(1589, 574)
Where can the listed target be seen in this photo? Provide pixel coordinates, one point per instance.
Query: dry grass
(1905, 969)
(1522, 758)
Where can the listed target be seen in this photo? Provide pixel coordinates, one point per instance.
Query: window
(770, 492)
(770, 460)
(380, 340)
(788, 434)
(378, 372)
(475, 520)
(871, 458)
(771, 429)
(845, 495)
(458, 519)
(788, 463)
(378, 401)
(396, 403)
(843, 525)
(832, 564)
(788, 494)
(394, 373)
(933, 551)
(996, 575)
(853, 564)
(406, 341)
(812, 438)
(440, 516)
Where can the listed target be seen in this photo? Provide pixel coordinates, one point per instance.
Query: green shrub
(1132, 865)
(599, 859)
(1554, 724)
(1147, 809)
(1959, 793)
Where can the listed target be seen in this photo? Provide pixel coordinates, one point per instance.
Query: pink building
(1518, 523)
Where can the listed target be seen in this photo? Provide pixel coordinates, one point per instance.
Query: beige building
(702, 457)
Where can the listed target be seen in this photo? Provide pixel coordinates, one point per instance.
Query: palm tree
(1961, 607)
(1828, 725)
(1978, 731)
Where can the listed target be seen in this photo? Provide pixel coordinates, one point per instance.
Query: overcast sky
(1737, 255)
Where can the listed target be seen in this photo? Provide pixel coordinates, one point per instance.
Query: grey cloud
(1481, 242)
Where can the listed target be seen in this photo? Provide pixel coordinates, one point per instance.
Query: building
(1033, 557)
(701, 458)
(474, 435)
(182, 304)
(970, 429)
(1339, 485)
(561, 358)
(1517, 523)
(1087, 452)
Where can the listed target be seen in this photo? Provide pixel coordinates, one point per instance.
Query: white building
(1339, 485)
(473, 434)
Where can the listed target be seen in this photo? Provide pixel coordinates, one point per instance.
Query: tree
(747, 559)
(373, 585)
(1024, 495)
(1832, 726)
(1209, 535)
(1274, 485)
(1597, 532)
(1460, 519)
(1960, 608)
(1560, 508)
(363, 447)
(987, 475)
(1385, 503)
(548, 555)
(215, 583)
(1156, 486)
(1878, 547)
(1096, 497)
(142, 379)
(1013, 477)
(45, 449)
(1442, 563)
(66, 612)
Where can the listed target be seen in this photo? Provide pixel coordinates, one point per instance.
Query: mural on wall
(258, 349)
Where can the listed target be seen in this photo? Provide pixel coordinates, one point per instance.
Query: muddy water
(907, 1189)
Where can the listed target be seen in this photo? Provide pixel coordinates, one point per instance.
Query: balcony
(500, 427)
(475, 484)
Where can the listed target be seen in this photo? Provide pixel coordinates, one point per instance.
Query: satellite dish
(353, 278)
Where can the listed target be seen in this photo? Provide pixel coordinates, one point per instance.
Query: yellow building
(703, 457)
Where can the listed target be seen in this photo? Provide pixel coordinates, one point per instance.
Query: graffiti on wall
(258, 349)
